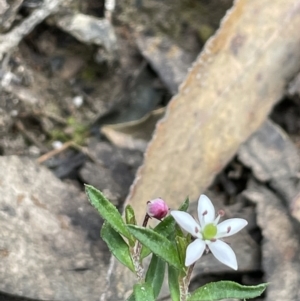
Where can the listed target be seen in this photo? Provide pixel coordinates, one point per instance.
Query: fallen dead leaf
(133, 134)
(225, 98)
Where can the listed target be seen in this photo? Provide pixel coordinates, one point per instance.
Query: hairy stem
(136, 255)
(184, 283)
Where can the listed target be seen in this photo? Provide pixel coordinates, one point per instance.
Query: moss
(74, 131)
(60, 135)
(79, 131)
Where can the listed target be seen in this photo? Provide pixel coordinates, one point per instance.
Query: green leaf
(156, 274)
(185, 205)
(181, 245)
(107, 210)
(117, 245)
(130, 215)
(173, 281)
(143, 292)
(165, 228)
(158, 244)
(145, 252)
(226, 289)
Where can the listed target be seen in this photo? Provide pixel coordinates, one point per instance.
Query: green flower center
(209, 232)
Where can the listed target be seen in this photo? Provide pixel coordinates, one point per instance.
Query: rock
(167, 59)
(271, 154)
(274, 159)
(141, 98)
(90, 30)
(50, 247)
(116, 173)
(294, 86)
(280, 245)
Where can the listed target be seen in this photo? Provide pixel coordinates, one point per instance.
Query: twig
(12, 39)
(65, 146)
(54, 152)
(189, 275)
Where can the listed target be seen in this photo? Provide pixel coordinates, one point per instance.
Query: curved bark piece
(226, 96)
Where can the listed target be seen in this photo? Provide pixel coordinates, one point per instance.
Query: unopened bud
(157, 208)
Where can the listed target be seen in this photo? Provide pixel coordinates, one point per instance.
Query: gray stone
(270, 154)
(90, 30)
(294, 86)
(280, 245)
(274, 158)
(50, 247)
(167, 59)
(116, 172)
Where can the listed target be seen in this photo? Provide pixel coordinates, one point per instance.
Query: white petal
(223, 253)
(194, 251)
(186, 222)
(206, 210)
(230, 227)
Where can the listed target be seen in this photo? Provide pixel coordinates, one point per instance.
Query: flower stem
(146, 219)
(139, 270)
(189, 274)
(184, 283)
(183, 289)
(136, 255)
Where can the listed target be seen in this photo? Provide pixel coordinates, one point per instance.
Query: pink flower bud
(157, 208)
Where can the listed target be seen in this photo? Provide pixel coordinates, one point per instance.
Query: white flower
(209, 232)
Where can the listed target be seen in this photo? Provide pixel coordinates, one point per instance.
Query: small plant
(171, 248)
